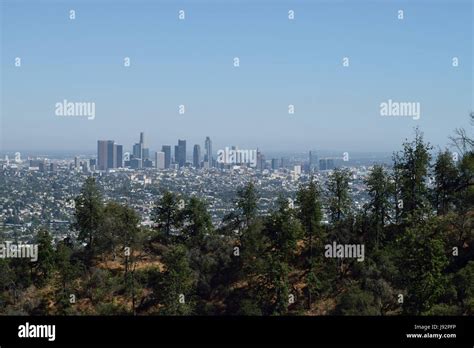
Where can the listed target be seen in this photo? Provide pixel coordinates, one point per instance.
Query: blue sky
(190, 62)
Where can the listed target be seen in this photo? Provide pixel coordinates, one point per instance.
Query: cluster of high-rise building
(110, 155)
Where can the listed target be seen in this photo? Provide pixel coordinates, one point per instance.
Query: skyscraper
(119, 156)
(197, 156)
(176, 154)
(208, 153)
(111, 155)
(145, 154)
(166, 149)
(159, 160)
(313, 161)
(137, 150)
(108, 154)
(275, 163)
(181, 155)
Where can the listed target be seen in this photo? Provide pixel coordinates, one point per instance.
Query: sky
(190, 62)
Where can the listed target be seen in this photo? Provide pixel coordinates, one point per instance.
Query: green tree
(247, 203)
(446, 181)
(380, 190)
(283, 230)
(166, 212)
(412, 164)
(44, 267)
(421, 263)
(178, 282)
(89, 213)
(197, 221)
(338, 190)
(309, 211)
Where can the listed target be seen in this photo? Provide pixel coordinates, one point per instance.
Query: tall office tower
(176, 154)
(260, 160)
(145, 153)
(313, 161)
(275, 164)
(159, 160)
(181, 157)
(322, 164)
(208, 151)
(102, 154)
(76, 162)
(111, 155)
(119, 156)
(197, 156)
(166, 149)
(137, 150)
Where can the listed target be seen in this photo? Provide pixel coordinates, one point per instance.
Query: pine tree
(178, 283)
(412, 164)
(380, 190)
(421, 263)
(446, 181)
(339, 199)
(167, 212)
(44, 267)
(89, 214)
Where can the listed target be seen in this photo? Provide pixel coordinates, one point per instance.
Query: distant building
(107, 154)
(159, 160)
(180, 153)
(102, 151)
(275, 163)
(330, 163)
(260, 161)
(166, 149)
(297, 170)
(119, 156)
(313, 161)
(147, 163)
(145, 153)
(42, 166)
(136, 163)
(111, 155)
(322, 164)
(208, 152)
(137, 151)
(197, 156)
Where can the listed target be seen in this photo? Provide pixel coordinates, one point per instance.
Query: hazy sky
(190, 62)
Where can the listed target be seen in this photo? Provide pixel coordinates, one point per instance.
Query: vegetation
(416, 228)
